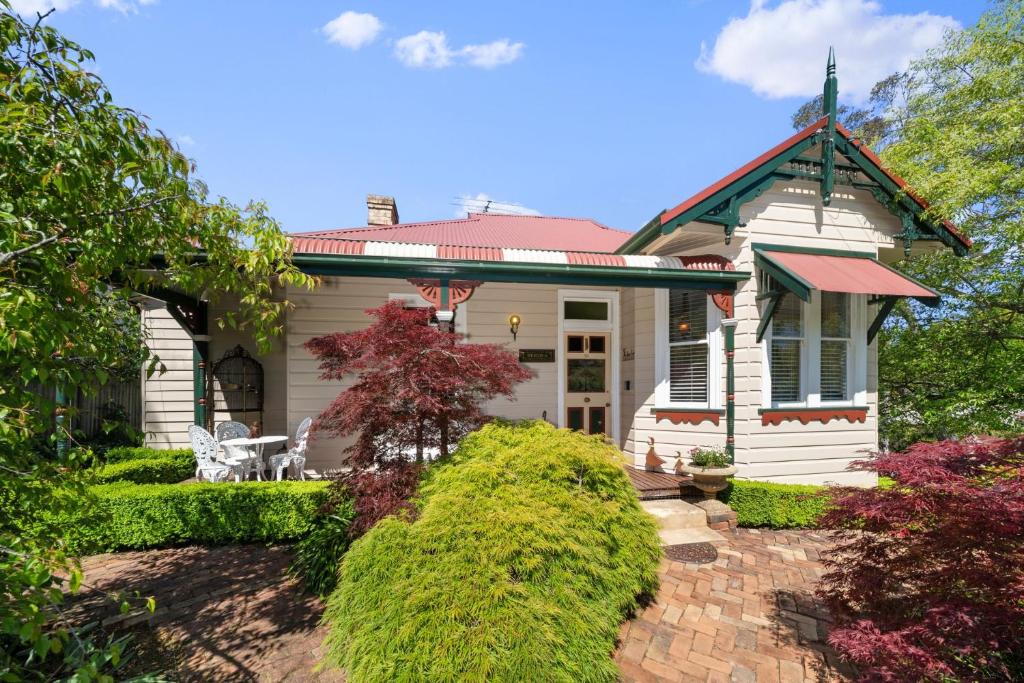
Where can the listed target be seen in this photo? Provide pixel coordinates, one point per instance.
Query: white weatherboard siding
(167, 397)
(627, 397)
(670, 440)
(338, 305)
(792, 214)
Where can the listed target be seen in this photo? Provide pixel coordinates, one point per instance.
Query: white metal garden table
(255, 446)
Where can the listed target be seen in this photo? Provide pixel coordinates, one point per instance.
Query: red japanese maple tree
(927, 582)
(417, 388)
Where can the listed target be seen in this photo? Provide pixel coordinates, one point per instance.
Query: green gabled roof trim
(510, 271)
(745, 188)
(723, 206)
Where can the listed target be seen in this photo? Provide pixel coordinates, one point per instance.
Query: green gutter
(506, 271)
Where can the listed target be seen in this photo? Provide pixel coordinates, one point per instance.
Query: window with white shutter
(786, 351)
(815, 352)
(688, 346)
(687, 357)
(835, 346)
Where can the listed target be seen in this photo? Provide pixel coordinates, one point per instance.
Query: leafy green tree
(953, 127)
(959, 141)
(94, 207)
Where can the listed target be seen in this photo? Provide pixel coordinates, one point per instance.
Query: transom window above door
(573, 309)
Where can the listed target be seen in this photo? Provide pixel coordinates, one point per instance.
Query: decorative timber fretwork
(727, 213)
(724, 301)
(693, 417)
(840, 159)
(445, 295)
(776, 416)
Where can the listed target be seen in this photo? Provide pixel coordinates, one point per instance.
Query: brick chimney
(381, 210)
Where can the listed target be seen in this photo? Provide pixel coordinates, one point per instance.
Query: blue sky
(611, 111)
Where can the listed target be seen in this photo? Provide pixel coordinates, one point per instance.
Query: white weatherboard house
(743, 318)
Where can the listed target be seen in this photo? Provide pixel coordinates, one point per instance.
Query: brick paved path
(747, 617)
(228, 614)
(223, 614)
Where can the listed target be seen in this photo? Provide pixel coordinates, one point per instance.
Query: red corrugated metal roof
(848, 274)
(493, 230)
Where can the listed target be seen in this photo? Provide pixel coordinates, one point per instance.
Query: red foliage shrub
(379, 493)
(417, 388)
(927, 581)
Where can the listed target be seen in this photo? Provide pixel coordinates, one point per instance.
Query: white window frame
(662, 361)
(850, 344)
(810, 357)
(413, 300)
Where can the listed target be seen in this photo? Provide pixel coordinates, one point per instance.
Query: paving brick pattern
(748, 616)
(223, 614)
(229, 614)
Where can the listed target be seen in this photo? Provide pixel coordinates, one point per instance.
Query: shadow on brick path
(223, 614)
(748, 616)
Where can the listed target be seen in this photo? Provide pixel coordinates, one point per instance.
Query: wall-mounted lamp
(513, 325)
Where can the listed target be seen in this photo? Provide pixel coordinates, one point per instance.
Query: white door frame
(614, 356)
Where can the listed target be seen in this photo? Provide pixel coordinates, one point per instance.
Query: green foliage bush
(130, 516)
(529, 549)
(318, 555)
(147, 466)
(125, 453)
(778, 506)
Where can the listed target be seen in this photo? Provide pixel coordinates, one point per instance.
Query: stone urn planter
(710, 480)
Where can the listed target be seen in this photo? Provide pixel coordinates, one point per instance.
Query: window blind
(687, 315)
(787, 337)
(688, 373)
(688, 346)
(835, 344)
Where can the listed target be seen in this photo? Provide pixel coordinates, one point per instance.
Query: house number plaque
(536, 355)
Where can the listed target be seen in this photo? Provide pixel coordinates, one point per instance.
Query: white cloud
(779, 51)
(29, 8)
(430, 49)
(124, 6)
(186, 140)
(426, 49)
(477, 203)
(494, 54)
(353, 29)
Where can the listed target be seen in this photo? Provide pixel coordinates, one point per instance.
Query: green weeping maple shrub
(529, 548)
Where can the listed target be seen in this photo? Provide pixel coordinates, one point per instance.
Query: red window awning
(855, 274)
(802, 270)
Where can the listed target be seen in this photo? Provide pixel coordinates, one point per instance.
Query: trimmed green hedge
(132, 516)
(147, 466)
(778, 506)
(529, 550)
(125, 453)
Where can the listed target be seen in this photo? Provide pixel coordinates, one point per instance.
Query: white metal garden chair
(236, 430)
(296, 455)
(204, 446)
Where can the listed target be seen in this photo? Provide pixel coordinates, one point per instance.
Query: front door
(587, 367)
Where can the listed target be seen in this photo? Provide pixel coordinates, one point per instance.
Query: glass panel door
(587, 374)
